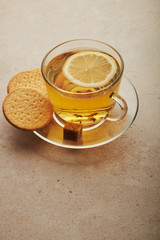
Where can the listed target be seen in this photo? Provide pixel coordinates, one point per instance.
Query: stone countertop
(105, 193)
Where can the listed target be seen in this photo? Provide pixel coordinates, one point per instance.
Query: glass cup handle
(123, 108)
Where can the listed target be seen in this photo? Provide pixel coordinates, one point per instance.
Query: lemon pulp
(90, 68)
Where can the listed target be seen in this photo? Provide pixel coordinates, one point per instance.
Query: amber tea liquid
(75, 103)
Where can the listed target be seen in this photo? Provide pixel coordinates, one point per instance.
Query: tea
(84, 102)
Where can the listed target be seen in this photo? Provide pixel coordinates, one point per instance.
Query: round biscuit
(38, 70)
(27, 79)
(27, 109)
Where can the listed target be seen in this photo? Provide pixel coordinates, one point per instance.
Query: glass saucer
(102, 134)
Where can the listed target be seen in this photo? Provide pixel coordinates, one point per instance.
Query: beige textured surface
(107, 193)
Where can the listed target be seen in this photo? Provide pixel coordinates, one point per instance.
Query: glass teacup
(77, 103)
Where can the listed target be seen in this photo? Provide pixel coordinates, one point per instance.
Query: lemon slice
(90, 68)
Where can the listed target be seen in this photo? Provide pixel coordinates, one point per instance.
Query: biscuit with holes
(27, 79)
(27, 109)
(35, 70)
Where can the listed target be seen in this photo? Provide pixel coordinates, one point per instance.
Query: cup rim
(85, 93)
